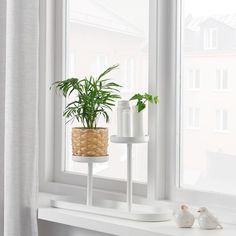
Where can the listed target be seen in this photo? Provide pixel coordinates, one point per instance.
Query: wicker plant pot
(89, 142)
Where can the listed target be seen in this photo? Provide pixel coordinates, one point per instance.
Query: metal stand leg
(129, 176)
(90, 184)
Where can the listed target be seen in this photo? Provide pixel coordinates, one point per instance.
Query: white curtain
(18, 116)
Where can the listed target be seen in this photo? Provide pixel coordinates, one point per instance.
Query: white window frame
(164, 123)
(209, 39)
(52, 43)
(174, 191)
(192, 75)
(100, 67)
(220, 79)
(219, 124)
(127, 62)
(193, 122)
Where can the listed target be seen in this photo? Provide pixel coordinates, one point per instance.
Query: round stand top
(129, 140)
(90, 159)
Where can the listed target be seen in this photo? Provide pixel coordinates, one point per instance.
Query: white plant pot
(123, 119)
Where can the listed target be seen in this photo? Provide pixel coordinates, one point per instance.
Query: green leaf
(107, 71)
(148, 97)
(137, 96)
(155, 99)
(94, 97)
(142, 99)
(141, 106)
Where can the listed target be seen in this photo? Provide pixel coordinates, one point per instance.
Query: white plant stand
(90, 161)
(129, 141)
(129, 210)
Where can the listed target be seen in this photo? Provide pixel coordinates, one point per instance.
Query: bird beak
(199, 211)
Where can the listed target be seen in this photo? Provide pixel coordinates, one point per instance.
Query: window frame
(193, 76)
(174, 191)
(219, 80)
(209, 39)
(165, 73)
(52, 16)
(221, 120)
(193, 117)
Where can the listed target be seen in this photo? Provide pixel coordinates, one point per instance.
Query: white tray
(116, 209)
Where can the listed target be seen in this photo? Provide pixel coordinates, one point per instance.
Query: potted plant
(94, 97)
(137, 111)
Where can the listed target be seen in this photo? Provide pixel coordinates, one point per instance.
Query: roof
(194, 23)
(100, 16)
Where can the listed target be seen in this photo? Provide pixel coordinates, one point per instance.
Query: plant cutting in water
(142, 99)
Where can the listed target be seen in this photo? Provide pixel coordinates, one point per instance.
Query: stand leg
(129, 176)
(90, 184)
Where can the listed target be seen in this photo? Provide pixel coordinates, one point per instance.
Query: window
(103, 33)
(221, 120)
(201, 159)
(221, 79)
(102, 63)
(129, 70)
(193, 79)
(210, 38)
(71, 64)
(193, 118)
(206, 156)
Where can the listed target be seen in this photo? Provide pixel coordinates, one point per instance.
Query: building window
(205, 155)
(129, 70)
(71, 63)
(193, 79)
(210, 38)
(102, 63)
(193, 118)
(221, 79)
(221, 120)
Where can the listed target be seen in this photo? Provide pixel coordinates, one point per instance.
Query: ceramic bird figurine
(206, 220)
(183, 218)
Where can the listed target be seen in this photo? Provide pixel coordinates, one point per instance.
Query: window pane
(208, 127)
(100, 34)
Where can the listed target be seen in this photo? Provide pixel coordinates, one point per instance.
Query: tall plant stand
(129, 141)
(125, 210)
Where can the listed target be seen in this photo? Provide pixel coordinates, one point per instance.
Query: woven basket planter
(89, 142)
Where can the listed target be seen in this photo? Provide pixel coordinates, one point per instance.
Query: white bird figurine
(183, 218)
(206, 220)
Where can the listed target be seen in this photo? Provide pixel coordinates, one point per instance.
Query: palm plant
(94, 98)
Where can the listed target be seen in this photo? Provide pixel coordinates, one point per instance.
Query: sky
(209, 7)
(135, 12)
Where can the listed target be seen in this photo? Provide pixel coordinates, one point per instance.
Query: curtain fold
(19, 27)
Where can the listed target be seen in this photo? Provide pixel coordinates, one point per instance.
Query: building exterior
(209, 101)
(91, 25)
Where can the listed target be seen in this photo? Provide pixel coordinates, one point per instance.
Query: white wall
(47, 228)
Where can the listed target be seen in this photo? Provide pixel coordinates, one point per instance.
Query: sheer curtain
(18, 117)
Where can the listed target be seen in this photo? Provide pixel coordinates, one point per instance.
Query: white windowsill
(124, 227)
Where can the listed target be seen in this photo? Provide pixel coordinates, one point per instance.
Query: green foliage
(95, 96)
(143, 99)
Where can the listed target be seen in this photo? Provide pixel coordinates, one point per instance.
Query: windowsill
(118, 226)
